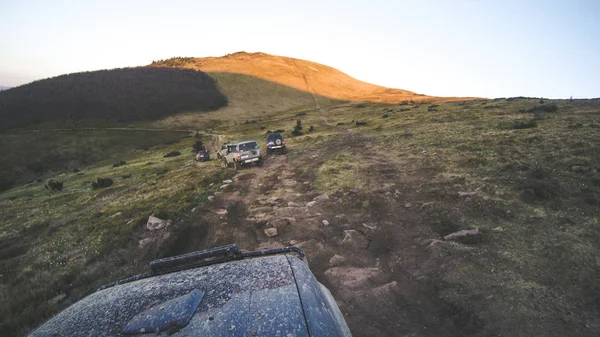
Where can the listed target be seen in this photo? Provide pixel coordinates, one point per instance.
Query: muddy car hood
(250, 297)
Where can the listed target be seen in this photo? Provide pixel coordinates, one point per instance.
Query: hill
(3, 88)
(108, 96)
(303, 75)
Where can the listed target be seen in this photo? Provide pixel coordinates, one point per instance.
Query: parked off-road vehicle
(222, 152)
(275, 143)
(203, 156)
(215, 292)
(243, 153)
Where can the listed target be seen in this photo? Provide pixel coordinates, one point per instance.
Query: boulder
(311, 203)
(321, 197)
(278, 223)
(222, 187)
(355, 239)
(289, 183)
(155, 223)
(325, 223)
(337, 260)
(227, 181)
(271, 232)
(221, 211)
(211, 197)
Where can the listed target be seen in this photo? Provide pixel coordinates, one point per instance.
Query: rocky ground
(370, 262)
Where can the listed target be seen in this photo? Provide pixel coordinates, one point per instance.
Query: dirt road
(369, 260)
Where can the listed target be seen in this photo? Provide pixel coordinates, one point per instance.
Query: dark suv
(275, 143)
(216, 292)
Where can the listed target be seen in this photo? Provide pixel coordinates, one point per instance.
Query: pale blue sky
(445, 48)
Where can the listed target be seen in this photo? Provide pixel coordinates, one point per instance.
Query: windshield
(248, 146)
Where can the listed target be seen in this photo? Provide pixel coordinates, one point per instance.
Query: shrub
(172, 154)
(297, 129)
(54, 185)
(360, 123)
(311, 129)
(540, 108)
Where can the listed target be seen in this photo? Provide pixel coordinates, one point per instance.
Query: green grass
(72, 238)
(537, 195)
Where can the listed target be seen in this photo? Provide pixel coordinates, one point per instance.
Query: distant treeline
(109, 96)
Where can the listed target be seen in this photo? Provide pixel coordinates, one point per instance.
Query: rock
(294, 242)
(222, 187)
(311, 247)
(580, 168)
(291, 220)
(155, 223)
(371, 227)
(355, 239)
(290, 212)
(325, 223)
(466, 194)
(271, 232)
(289, 183)
(318, 214)
(498, 229)
(293, 204)
(211, 197)
(278, 223)
(340, 216)
(397, 194)
(263, 209)
(193, 209)
(321, 197)
(353, 278)
(407, 205)
(427, 204)
(172, 154)
(221, 211)
(337, 260)
(102, 183)
(56, 299)
(311, 203)
(271, 244)
(143, 242)
(227, 181)
(461, 234)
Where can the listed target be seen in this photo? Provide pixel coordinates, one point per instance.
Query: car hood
(250, 297)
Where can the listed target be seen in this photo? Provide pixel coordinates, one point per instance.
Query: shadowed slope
(109, 96)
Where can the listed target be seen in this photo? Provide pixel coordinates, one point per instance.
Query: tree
(198, 144)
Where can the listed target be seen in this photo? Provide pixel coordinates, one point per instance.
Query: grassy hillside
(249, 97)
(36, 155)
(108, 97)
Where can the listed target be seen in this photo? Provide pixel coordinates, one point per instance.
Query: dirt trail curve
(357, 255)
(322, 118)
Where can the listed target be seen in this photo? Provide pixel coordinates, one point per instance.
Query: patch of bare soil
(375, 260)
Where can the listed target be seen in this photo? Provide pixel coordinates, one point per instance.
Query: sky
(480, 48)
